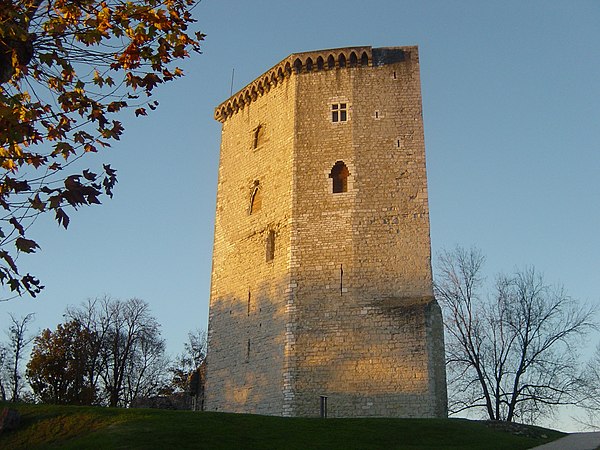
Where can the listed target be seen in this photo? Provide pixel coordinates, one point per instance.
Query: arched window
(298, 66)
(339, 174)
(320, 63)
(342, 60)
(353, 60)
(331, 62)
(364, 59)
(255, 198)
(309, 65)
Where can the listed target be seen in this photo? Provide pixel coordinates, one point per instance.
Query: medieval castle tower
(321, 279)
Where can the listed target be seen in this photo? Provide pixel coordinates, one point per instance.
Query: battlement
(313, 61)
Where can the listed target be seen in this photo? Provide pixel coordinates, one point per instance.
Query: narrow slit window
(248, 351)
(339, 112)
(339, 174)
(270, 246)
(249, 299)
(257, 136)
(255, 198)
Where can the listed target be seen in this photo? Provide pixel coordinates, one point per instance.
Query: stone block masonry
(321, 279)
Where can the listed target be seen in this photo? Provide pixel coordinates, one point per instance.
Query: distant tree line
(108, 352)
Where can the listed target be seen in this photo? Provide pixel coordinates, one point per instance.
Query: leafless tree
(128, 348)
(146, 373)
(512, 354)
(3, 379)
(14, 352)
(591, 401)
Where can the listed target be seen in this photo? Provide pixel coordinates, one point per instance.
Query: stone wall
(345, 308)
(246, 320)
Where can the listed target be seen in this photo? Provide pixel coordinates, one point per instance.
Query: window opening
(309, 65)
(331, 62)
(339, 174)
(320, 63)
(258, 137)
(249, 298)
(256, 198)
(353, 60)
(377, 114)
(248, 351)
(339, 112)
(298, 66)
(270, 247)
(364, 60)
(342, 60)
(341, 279)
(394, 74)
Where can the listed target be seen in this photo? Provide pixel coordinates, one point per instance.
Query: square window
(339, 112)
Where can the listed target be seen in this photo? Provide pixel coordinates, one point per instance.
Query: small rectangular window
(339, 112)
(270, 246)
(343, 116)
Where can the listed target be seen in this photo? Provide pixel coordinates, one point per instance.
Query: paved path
(574, 441)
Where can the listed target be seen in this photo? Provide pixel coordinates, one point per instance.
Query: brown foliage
(58, 370)
(66, 68)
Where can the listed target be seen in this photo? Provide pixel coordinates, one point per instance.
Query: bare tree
(591, 401)
(514, 353)
(145, 373)
(92, 316)
(3, 379)
(128, 351)
(18, 340)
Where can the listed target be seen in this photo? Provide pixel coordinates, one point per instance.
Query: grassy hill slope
(70, 427)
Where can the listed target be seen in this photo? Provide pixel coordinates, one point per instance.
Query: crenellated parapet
(308, 62)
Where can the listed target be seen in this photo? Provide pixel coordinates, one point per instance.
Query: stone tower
(321, 279)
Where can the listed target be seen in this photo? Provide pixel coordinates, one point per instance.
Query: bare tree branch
(513, 353)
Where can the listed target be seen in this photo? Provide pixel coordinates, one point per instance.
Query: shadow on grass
(71, 427)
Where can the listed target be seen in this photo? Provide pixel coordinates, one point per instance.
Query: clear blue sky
(511, 94)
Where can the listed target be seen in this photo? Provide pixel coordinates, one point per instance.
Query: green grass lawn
(70, 427)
